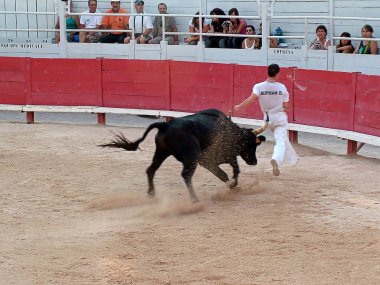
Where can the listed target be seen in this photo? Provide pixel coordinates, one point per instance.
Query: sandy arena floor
(73, 213)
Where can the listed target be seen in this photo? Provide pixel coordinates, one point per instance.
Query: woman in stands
(345, 46)
(194, 27)
(233, 26)
(72, 22)
(249, 43)
(367, 47)
(321, 42)
(215, 27)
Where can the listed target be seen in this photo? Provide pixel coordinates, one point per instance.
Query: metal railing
(262, 16)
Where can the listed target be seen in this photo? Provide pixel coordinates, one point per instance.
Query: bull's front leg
(236, 171)
(214, 169)
(187, 174)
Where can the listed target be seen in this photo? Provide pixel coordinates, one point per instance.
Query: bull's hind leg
(158, 158)
(187, 174)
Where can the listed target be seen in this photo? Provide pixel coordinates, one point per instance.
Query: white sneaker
(276, 171)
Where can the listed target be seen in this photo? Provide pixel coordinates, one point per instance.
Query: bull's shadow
(207, 137)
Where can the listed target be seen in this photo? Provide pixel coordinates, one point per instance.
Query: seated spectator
(115, 23)
(72, 22)
(141, 24)
(273, 42)
(194, 27)
(170, 26)
(89, 22)
(345, 46)
(367, 47)
(234, 26)
(321, 42)
(215, 27)
(249, 43)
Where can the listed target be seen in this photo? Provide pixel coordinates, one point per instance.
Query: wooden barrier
(14, 80)
(332, 103)
(196, 86)
(139, 84)
(324, 98)
(367, 105)
(66, 82)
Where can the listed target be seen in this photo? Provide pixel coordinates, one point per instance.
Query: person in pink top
(233, 26)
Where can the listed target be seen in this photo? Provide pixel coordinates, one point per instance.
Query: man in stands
(141, 23)
(115, 23)
(89, 22)
(170, 26)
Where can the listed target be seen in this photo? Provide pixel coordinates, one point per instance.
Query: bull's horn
(263, 128)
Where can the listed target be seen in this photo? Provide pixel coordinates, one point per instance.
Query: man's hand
(236, 108)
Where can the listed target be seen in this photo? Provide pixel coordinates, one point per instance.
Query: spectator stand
(300, 57)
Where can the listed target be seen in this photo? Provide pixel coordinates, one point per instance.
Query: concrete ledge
(349, 135)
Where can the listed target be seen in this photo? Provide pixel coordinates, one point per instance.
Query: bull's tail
(120, 141)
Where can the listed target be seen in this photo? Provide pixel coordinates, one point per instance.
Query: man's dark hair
(273, 70)
(158, 6)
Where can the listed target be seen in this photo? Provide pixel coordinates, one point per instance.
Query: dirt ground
(73, 213)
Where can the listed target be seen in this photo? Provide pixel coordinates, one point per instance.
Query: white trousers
(283, 151)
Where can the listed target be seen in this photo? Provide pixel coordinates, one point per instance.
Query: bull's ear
(260, 139)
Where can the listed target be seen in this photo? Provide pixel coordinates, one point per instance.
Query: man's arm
(175, 36)
(246, 102)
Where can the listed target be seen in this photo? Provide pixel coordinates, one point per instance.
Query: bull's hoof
(151, 193)
(232, 183)
(194, 200)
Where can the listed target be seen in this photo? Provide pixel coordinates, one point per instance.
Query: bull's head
(248, 153)
(253, 140)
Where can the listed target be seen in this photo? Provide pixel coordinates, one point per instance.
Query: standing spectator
(367, 47)
(194, 27)
(72, 22)
(170, 26)
(216, 27)
(141, 24)
(345, 46)
(115, 23)
(273, 42)
(274, 98)
(234, 26)
(249, 43)
(89, 22)
(321, 42)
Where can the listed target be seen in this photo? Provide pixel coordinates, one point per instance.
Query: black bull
(207, 137)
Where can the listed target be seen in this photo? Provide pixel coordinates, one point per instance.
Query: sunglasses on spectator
(140, 4)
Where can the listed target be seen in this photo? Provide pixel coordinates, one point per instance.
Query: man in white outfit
(89, 22)
(274, 98)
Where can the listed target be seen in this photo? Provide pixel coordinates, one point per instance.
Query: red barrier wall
(67, 82)
(245, 77)
(367, 107)
(140, 84)
(346, 101)
(14, 74)
(196, 86)
(324, 98)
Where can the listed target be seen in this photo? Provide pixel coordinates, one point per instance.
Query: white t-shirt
(140, 27)
(90, 21)
(205, 23)
(272, 95)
